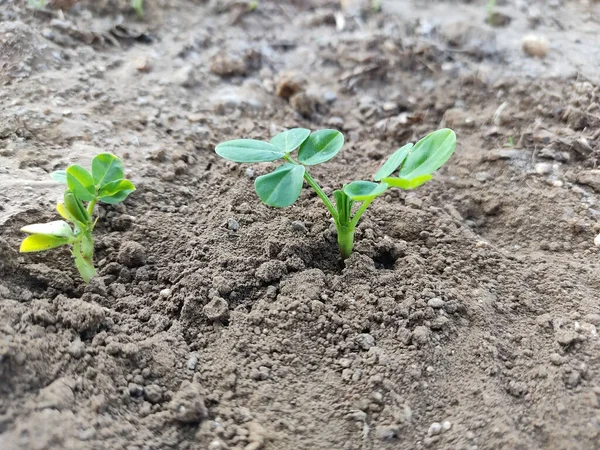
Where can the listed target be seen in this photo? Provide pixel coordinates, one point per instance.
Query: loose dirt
(467, 316)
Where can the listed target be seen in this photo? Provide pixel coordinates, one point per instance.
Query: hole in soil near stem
(384, 260)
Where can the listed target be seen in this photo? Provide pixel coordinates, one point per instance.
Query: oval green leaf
(320, 146)
(106, 167)
(429, 154)
(290, 140)
(41, 242)
(64, 213)
(58, 228)
(360, 191)
(75, 208)
(115, 191)
(406, 183)
(248, 151)
(60, 176)
(281, 187)
(81, 183)
(393, 162)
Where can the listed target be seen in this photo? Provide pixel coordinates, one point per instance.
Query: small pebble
(216, 309)
(233, 224)
(592, 318)
(597, 241)
(142, 64)
(446, 425)
(165, 293)
(191, 364)
(377, 397)
(299, 226)
(434, 429)
(153, 393)
(567, 338)
(329, 97)
(386, 432)
(271, 271)
(537, 46)
(556, 359)
(217, 444)
(135, 390)
(543, 168)
(76, 349)
(365, 341)
(420, 336)
(132, 254)
(436, 303)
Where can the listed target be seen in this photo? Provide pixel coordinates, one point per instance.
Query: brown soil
(467, 317)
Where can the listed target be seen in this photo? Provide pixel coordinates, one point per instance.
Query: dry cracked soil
(467, 317)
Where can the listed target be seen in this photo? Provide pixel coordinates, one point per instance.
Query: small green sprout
(105, 184)
(138, 6)
(413, 165)
(491, 10)
(510, 143)
(36, 4)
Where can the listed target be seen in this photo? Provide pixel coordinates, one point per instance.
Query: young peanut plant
(138, 6)
(105, 184)
(412, 164)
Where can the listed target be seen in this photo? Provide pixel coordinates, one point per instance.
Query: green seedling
(412, 166)
(138, 6)
(491, 10)
(36, 4)
(105, 184)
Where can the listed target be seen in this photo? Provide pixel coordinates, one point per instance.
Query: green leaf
(138, 6)
(115, 191)
(393, 162)
(41, 242)
(60, 176)
(75, 208)
(106, 167)
(429, 154)
(290, 140)
(64, 212)
(81, 183)
(406, 183)
(248, 151)
(58, 228)
(114, 187)
(320, 146)
(343, 204)
(364, 190)
(281, 187)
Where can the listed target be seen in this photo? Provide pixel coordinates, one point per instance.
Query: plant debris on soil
(466, 318)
